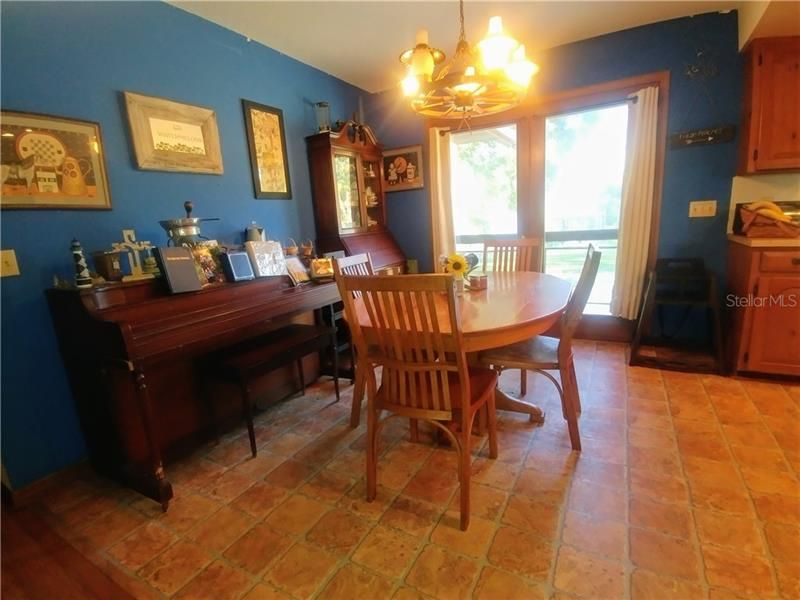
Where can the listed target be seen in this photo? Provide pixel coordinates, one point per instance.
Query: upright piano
(130, 350)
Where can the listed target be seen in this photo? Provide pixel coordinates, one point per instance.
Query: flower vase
(459, 285)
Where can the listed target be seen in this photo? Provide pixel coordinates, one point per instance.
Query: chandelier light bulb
(496, 47)
(410, 84)
(521, 70)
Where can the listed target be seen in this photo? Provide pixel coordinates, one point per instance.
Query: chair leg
(482, 412)
(413, 426)
(491, 413)
(573, 379)
(464, 471)
(302, 376)
(247, 408)
(372, 453)
(358, 396)
(569, 406)
(523, 382)
(335, 362)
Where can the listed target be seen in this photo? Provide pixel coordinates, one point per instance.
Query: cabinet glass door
(372, 188)
(348, 205)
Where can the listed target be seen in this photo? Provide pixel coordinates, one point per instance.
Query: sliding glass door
(584, 164)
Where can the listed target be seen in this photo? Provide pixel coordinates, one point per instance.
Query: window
(483, 183)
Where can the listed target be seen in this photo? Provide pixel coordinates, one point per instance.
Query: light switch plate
(8, 263)
(702, 208)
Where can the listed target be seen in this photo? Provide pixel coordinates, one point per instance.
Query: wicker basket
(756, 225)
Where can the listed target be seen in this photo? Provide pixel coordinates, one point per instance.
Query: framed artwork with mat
(51, 162)
(173, 136)
(402, 169)
(266, 139)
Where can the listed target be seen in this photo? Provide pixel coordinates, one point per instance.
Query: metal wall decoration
(702, 137)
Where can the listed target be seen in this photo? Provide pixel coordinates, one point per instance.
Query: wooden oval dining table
(515, 306)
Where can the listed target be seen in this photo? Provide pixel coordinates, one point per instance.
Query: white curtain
(442, 235)
(638, 188)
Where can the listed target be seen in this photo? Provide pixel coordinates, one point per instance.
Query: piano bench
(245, 362)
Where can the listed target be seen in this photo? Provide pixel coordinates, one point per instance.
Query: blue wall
(703, 172)
(74, 59)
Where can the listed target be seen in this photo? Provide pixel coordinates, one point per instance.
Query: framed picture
(51, 162)
(321, 268)
(171, 136)
(402, 169)
(267, 141)
(297, 270)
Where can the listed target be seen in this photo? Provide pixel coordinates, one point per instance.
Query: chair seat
(481, 382)
(540, 352)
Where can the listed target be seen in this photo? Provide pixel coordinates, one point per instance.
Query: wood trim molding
(25, 496)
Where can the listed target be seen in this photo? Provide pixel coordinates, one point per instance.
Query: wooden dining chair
(358, 264)
(544, 354)
(523, 254)
(414, 334)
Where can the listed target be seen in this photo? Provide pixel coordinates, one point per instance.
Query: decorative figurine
(132, 247)
(82, 277)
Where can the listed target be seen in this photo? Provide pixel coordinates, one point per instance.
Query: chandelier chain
(462, 36)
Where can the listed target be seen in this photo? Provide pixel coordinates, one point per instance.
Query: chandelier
(490, 79)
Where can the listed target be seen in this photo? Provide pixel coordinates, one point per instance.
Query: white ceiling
(360, 42)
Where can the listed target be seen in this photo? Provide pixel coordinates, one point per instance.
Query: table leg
(505, 402)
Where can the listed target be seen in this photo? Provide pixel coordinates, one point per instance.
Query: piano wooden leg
(163, 488)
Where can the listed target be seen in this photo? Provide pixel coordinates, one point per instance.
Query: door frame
(529, 117)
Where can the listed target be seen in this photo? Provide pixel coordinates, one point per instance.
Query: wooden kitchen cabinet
(764, 297)
(771, 120)
(346, 168)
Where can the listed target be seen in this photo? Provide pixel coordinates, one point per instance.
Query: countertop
(765, 242)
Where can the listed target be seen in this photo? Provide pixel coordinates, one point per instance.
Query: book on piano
(178, 266)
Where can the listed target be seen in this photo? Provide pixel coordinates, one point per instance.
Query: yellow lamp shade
(496, 47)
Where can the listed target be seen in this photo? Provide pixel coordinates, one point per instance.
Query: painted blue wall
(703, 172)
(74, 59)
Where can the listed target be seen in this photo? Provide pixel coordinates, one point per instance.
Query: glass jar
(323, 114)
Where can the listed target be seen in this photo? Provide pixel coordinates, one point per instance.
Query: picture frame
(173, 136)
(266, 140)
(297, 270)
(52, 162)
(321, 268)
(403, 169)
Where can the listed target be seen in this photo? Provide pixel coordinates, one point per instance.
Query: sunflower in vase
(456, 265)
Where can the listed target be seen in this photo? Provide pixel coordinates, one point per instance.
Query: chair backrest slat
(410, 334)
(358, 264)
(523, 254)
(580, 295)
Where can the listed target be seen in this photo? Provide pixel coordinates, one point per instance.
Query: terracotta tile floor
(686, 488)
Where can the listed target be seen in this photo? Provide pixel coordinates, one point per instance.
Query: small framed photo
(402, 169)
(172, 136)
(51, 162)
(267, 141)
(297, 270)
(322, 268)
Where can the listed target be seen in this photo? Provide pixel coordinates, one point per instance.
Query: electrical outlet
(702, 208)
(8, 263)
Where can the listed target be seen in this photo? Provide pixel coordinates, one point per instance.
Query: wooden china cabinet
(349, 199)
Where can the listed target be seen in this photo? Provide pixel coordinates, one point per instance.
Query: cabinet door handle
(796, 261)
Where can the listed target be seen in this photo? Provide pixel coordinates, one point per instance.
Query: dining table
(515, 306)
